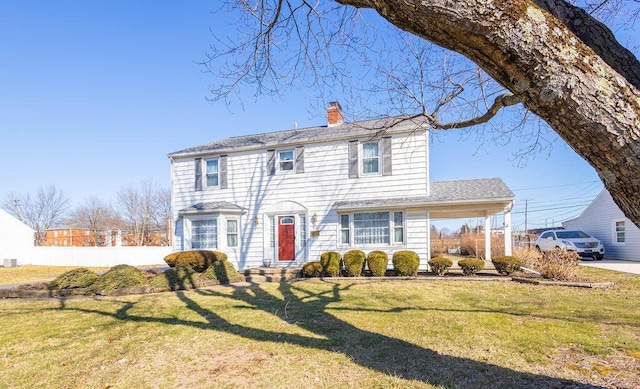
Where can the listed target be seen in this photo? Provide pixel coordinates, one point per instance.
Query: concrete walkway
(614, 264)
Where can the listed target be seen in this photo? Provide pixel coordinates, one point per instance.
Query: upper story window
(370, 158)
(212, 172)
(285, 159)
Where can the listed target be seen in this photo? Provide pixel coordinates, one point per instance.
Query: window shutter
(271, 162)
(223, 171)
(386, 156)
(353, 159)
(299, 156)
(198, 172)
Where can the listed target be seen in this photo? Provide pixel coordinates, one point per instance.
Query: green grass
(336, 334)
(33, 274)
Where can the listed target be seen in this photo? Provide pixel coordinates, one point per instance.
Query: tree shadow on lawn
(391, 356)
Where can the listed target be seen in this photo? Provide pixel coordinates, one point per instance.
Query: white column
(428, 239)
(507, 231)
(487, 238)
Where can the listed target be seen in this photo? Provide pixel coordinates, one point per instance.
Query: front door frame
(300, 241)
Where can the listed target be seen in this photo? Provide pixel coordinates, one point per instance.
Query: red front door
(286, 238)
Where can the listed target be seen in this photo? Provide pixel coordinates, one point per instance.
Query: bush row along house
(289, 196)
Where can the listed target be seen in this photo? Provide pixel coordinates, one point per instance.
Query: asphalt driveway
(614, 264)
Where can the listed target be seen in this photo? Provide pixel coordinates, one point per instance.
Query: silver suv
(571, 240)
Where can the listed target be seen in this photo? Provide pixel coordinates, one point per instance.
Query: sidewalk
(613, 264)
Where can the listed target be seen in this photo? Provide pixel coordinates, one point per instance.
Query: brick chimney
(334, 114)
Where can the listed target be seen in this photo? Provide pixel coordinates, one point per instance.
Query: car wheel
(538, 249)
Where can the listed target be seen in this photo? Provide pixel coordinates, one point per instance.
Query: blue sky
(94, 95)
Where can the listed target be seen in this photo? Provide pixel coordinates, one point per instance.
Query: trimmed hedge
(224, 271)
(405, 263)
(377, 262)
(119, 277)
(198, 260)
(179, 277)
(311, 269)
(506, 264)
(440, 265)
(330, 262)
(471, 266)
(354, 262)
(76, 278)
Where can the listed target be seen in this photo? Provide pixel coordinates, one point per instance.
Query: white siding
(16, 238)
(324, 181)
(598, 220)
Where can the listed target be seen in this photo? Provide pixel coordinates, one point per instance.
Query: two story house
(289, 196)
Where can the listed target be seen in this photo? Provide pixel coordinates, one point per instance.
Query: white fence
(95, 256)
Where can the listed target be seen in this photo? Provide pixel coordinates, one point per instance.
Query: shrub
(507, 264)
(179, 277)
(354, 262)
(225, 271)
(471, 266)
(440, 265)
(76, 278)
(558, 264)
(330, 262)
(405, 263)
(312, 269)
(377, 261)
(118, 277)
(528, 255)
(198, 260)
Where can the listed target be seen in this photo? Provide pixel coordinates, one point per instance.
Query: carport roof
(443, 193)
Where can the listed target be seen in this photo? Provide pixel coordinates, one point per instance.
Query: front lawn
(333, 334)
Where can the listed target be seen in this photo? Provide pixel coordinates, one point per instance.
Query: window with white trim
(372, 228)
(212, 172)
(370, 158)
(619, 230)
(204, 234)
(344, 229)
(232, 233)
(285, 160)
(398, 227)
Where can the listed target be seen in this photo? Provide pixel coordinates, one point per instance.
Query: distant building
(16, 238)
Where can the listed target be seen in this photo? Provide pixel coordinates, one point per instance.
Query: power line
(559, 186)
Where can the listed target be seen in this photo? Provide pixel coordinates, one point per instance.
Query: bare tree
(554, 58)
(100, 217)
(145, 211)
(43, 211)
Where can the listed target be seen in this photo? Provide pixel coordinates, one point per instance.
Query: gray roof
(214, 206)
(369, 128)
(443, 192)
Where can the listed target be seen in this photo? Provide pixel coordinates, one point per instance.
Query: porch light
(314, 218)
(256, 220)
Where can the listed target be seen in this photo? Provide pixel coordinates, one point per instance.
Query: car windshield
(571, 234)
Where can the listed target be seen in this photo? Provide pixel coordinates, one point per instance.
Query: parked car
(571, 240)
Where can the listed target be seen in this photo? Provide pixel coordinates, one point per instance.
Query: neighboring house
(76, 235)
(291, 195)
(16, 238)
(604, 220)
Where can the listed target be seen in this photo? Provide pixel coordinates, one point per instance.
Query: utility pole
(526, 206)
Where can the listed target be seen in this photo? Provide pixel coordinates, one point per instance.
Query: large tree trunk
(569, 84)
